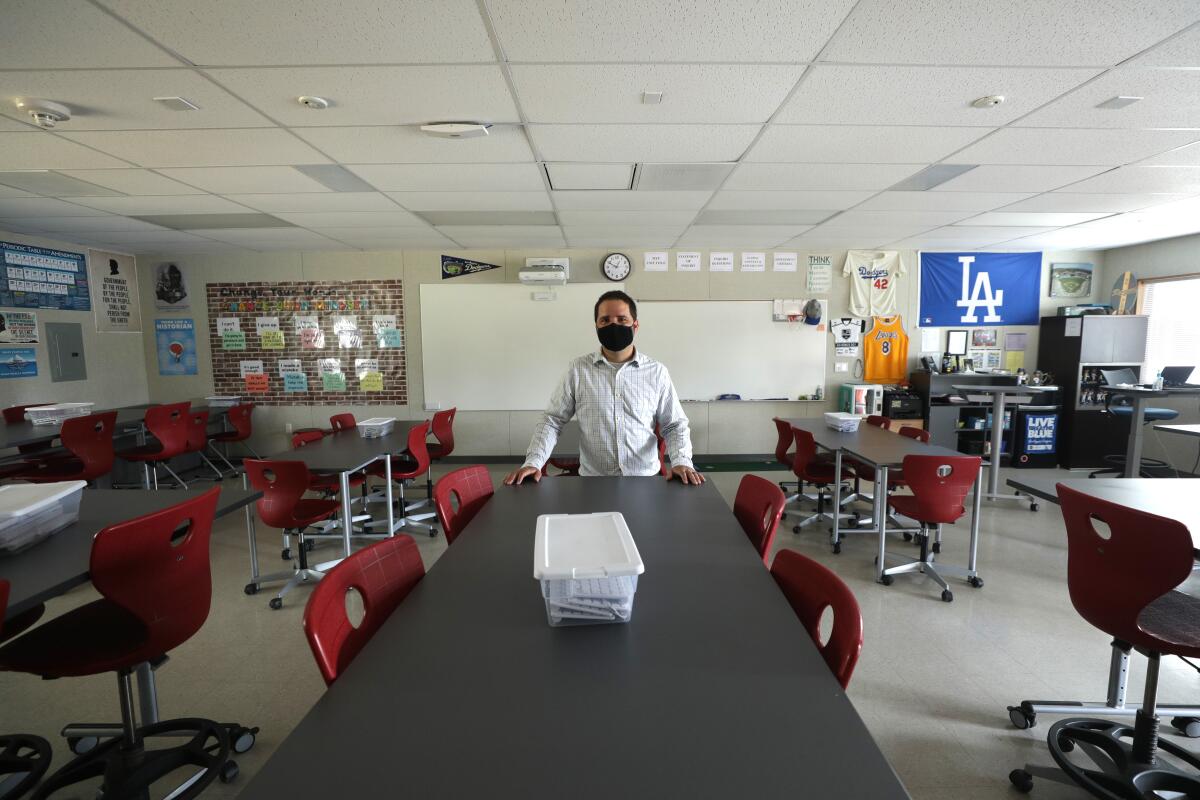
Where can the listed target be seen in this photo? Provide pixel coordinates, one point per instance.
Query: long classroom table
(713, 689)
(129, 419)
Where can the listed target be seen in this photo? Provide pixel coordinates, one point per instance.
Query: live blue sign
(980, 289)
(1040, 433)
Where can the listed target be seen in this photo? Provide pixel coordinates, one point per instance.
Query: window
(1174, 336)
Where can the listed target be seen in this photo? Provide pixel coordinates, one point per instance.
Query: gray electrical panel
(64, 341)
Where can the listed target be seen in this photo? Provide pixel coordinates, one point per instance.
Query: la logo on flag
(980, 289)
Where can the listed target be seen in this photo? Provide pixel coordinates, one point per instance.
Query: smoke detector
(991, 101)
(456, 130)
(45, 113)
(313, 102)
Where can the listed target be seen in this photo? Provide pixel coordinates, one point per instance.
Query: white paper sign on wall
(687, 262)
(655, 262)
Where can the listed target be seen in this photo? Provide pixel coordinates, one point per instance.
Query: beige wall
(717, 427)
(114, 360)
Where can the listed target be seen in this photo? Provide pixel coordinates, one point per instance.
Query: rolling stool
(1118, 461)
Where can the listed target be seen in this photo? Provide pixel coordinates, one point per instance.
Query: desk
(1138, 397)
(1167, 497)
(129, 418)
(883, 450)
(1182, 430)
(1002, 395)
(467, 692)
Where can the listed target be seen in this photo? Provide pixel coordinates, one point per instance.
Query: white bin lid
(572, 546)
(23, 499)
(377, 421)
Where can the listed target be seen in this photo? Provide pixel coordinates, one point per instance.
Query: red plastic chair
(1122, 577)
(811, 588)
(342, 422)
(879, 421)
(758, 506)
(169, 425)
(939, 487)
(920, 434)
(784, 439)
(240, 417)
(24, 759)
(283, 505)
(383, 575)
(469, 489)
(809, 469)
(443, 431)
(412, 464)
(89, 440)
(155, 587)
(197, 441)
(895, 476)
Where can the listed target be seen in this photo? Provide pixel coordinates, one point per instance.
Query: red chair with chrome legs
(811, 588)
(458, 496)
(382, 575)
(283, 505)
(809, 469)
(1123, 570)
(443, 431)
(939, 487)
(758, 506)
(89, 444)
(155, 587)
(342, 422)
(406, 468)
(784, 439)
(168, 424)
(328, 485)
(15, 415)
(197, 441)
(24, 758)
(243, 428)
(878, 421)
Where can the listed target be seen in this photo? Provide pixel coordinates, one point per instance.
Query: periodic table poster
(38, 277)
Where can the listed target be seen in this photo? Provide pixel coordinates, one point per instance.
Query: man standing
(619, 395)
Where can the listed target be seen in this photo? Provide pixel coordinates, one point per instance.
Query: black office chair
(1118, 460)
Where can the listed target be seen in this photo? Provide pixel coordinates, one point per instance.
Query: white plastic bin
(55, 414)
(29, 512)
(375, 427)
(841, 421)
(223, 401)
(588, 565)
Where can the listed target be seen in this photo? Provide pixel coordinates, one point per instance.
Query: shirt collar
(637, 360)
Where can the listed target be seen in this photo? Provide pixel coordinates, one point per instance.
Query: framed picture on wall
(1070, 280)
(983, 337)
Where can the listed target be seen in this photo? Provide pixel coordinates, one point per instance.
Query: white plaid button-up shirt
(617, 406)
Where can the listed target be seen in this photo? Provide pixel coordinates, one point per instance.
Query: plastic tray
(588, 567)
(29, 512)
(375, 427)
(55, 414)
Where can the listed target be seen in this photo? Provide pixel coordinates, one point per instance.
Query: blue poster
(18, 362)
(980, 289)
(1040, 432)
(36, 277)
(175, 340)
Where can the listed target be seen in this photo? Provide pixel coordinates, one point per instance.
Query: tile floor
(932, 683)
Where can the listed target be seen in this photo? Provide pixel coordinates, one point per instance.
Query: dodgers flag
(978, 289)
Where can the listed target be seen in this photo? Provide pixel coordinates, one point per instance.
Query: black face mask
(615, 338)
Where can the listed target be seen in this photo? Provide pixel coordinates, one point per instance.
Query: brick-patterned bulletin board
(323, 300)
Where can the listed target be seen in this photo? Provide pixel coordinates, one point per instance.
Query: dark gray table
(1182, 430)
(714, 689)
(1138, 397)
(129, 419)
(1001, 395)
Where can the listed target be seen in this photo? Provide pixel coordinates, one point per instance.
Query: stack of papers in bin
(591, 598)
(841, 421)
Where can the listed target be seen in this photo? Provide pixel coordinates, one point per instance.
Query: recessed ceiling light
(1120, 101)
(456, 130)
(930, 177)
(313, 102)
(177, 103)
(991, 101)
(652, 98)
(46, 113)
(335, 177)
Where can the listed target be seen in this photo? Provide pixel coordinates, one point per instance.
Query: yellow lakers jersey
(885, 351)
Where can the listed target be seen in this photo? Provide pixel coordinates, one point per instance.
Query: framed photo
(983, 337)
(1070, 280)
(956, 342)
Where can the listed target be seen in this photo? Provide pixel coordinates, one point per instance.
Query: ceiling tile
(620, 240)
(419, 238)
(1032, 218)
(865, 233)
(174, 204)
(917, 218)
(595, 218)
(939, 245)
(1016, 178)
(524, 236)
(489, 217)
(246, 180)
(860, 144)
(132, 181)
(376, 95)
(628, 143)
(150, 237)
(819, 177)
(940, 201)
(696, 93)
(895, 95)
(41, 150)
(598, 177)
(313, 31)
(664, 31)
(7, 124)
(655, 233)
(95, 224)
(815, 200)
(473, 201)
(740, 235)
(200, 148)
(1019, 32)
(451, 177)
(17, 207)
(1188, 156)
(37, 34)
(348, 219)
(995, 233)
(630, 201)
(8, 191)
(407, 145)
(124, 99)
(761, 216)
(1076, 201)
(1072, 146)
(1171, 99)
(315, 201)
(298, 237)
(1143, 180)
(1182, 51)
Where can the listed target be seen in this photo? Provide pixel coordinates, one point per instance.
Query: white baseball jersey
(847, 334)
(873, 276)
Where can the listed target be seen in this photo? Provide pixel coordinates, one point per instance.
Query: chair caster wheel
(795, 529)
(886, 580)
(1021, 780)
(947, 596)
(276, 603)
(977, 582)
(82, 744)
(937, 547)
(1188, 726)
(242, 739)
(432, 533)
(229, 771)
(286, 554)
(783, 515)
(250, 588)
(309, 545)
(907, 537)
(1065, 744)
(1020, 718)
(837, 548)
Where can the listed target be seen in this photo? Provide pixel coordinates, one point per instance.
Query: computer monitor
(1114, 377)
(1176, 376)
(956, 343)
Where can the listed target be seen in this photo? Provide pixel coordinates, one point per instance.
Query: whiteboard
(492, 347)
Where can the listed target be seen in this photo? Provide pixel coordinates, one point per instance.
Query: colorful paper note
(390, 338)
(295, 382)
(371, 382)
(233, 340)
(272, 340)
(333, 381)
(258, 383)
